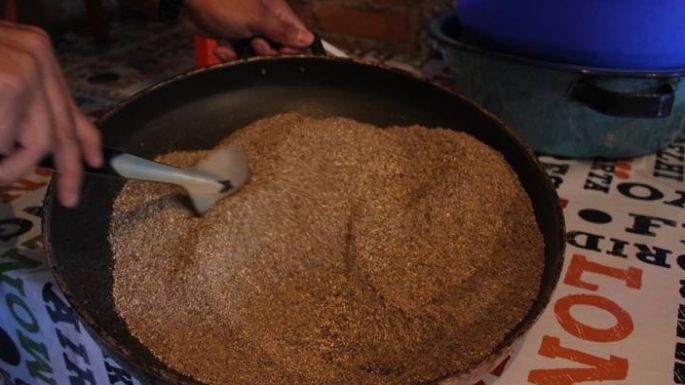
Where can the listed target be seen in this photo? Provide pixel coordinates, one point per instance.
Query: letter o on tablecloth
(622, 328)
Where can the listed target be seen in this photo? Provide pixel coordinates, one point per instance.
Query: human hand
(262, 21)
(38, 116)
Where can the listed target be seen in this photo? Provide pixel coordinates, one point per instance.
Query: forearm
(261, 21)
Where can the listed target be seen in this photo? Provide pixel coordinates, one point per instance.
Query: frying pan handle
(108, 155)
(652, 104)
(244, 49)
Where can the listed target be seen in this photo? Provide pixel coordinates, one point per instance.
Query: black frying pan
(194, 111)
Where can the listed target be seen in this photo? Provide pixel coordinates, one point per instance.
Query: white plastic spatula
(220, 174)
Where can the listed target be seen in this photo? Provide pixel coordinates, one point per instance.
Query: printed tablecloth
(617, 316)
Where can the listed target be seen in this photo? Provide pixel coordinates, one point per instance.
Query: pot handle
(245, 51)
(652, 104)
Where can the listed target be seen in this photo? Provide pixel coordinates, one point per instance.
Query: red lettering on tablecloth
(579, 276)
(497, 372)
(9, 193)
(599, 369)
(622, 170)
(563, 202)
(580, 264)
(622, 329)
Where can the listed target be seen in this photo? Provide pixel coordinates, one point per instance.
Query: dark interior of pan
(195, 111)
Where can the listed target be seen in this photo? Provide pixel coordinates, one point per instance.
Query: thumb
(284, 32)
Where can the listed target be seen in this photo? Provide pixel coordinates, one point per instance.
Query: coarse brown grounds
(354, 255)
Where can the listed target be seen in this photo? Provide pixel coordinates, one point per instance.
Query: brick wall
(393, 26)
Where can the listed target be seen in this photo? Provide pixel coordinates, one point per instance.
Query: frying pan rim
(168, 374)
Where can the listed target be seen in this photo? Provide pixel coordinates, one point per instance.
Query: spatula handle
(109, 154)
(134, 167)
(124, 165)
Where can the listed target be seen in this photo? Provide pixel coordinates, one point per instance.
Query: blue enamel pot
(567, 110)
(621, 34)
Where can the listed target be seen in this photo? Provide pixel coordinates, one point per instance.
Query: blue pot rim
(446, 24)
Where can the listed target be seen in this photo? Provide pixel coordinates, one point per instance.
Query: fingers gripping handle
(205, 57)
